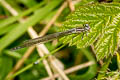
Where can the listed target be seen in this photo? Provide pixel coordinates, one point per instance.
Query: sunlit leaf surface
(104, 20)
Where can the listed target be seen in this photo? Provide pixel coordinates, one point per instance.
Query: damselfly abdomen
(50, 37)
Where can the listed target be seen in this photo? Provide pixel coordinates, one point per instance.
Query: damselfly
(50, 37)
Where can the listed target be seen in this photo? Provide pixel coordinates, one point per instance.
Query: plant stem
(32, 64)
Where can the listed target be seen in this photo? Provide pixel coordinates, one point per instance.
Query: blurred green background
(16, 16)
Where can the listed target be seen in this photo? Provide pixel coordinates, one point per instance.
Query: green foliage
(91, 72)
(113, 75)
(28, 3)
(10, 20)
(5, 66)
(104, 68)
(35, 73)
(118, 60)
(104, 21)
(116, 0)
(5, 30)
(32, 20)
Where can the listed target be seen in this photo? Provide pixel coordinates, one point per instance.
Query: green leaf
(116, 0)
(12, 54)
(107, 44)
(104, 21)
(28, 3)
(12, 19)
(104, 68)
(113, 75)
(5, 30)
(5, 66)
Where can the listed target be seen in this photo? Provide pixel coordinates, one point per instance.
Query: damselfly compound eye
(87, 27)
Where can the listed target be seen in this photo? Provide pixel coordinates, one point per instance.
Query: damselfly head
(87, 27)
